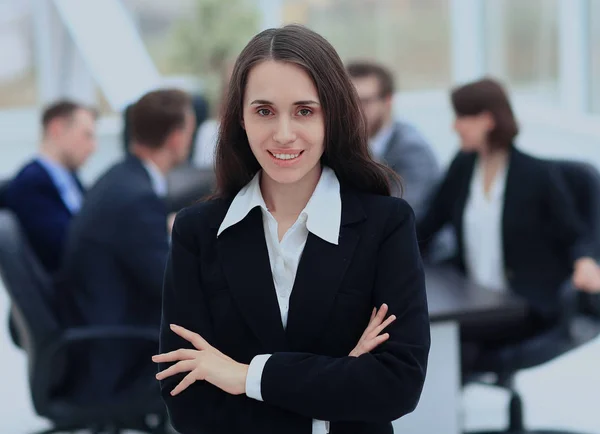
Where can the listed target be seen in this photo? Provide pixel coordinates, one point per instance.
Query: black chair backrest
(3, 186)
(188, 184)
(28, 285)
(583, 180)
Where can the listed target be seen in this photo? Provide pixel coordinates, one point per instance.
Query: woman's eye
(305, 112)
(264, 112)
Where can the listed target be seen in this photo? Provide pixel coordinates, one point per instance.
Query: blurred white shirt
(482, 229)
(206, 143)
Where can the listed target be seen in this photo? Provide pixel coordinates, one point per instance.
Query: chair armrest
(44, 367)
(78, 334)
(569, 302)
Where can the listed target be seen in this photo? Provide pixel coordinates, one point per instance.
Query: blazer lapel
(462, 195)
(243, 253)
(320, 273)
(512, 198)
(55, 189)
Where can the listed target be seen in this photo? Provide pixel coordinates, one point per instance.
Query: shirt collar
(158, 180)
(52, 166)
(323, 211)
(380, 140)
(62, 177)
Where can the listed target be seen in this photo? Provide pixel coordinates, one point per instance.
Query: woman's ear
(242, 124)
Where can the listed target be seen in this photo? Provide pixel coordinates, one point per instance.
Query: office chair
(578, 324)
(3, 185)
(48, 347)
(11, 326)
(583, 181)
(187, 184)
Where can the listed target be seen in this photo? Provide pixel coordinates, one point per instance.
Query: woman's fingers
(194, 338)
(383, 325)
(381, 313)
(376, 318)
(369, 345)
(177, 368)
(175, 356)
(187, 381)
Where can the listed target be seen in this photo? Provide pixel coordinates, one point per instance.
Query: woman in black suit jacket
(295, 179)
(542, 240)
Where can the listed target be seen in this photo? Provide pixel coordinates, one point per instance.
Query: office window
(412, 37)
(191, 36)
(17, 63)
(194, 39)
(594, 58)
(522, 45)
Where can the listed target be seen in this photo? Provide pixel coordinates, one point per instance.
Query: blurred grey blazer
(411, 157)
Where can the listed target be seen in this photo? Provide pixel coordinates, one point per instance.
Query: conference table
(453, 300)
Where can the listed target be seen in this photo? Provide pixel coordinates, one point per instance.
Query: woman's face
(284, 121)
(473, 131)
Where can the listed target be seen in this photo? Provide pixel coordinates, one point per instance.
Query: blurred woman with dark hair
(516, 223)
(273, 283)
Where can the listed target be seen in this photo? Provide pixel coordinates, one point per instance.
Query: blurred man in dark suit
(119, 241)
(46, 193)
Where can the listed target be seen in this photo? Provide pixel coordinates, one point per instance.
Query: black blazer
(223, 289)
(114, 266)
(542, 233)
(42, 214)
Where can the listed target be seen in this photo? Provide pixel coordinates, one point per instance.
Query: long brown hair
(346, 146)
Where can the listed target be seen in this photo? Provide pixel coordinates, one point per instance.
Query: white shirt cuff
(320, 427)
(254, 377)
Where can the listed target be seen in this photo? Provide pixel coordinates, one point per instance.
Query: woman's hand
(206, 363)
(586, 275)
(371, 338)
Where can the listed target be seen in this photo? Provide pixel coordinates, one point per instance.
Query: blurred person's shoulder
(123, 182)
(32, 172)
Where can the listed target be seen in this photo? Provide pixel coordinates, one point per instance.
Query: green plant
(215, 33)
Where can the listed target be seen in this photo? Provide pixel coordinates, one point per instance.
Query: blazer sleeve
(144, 244)
(567, 224)
(202, 408)
(380, 386)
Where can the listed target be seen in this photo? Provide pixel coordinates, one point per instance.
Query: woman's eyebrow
(266, 102)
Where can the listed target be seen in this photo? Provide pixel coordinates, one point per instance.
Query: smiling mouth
(285, 157)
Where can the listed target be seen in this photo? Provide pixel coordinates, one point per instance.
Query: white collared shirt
(321, 217)
(158, 180)
(64, 181)
(482, 231)
(379, 141)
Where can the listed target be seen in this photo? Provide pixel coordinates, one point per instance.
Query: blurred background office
(106, 54)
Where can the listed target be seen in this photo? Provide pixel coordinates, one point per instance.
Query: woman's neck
(493, 158)
(286, 201)
(492, 162)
